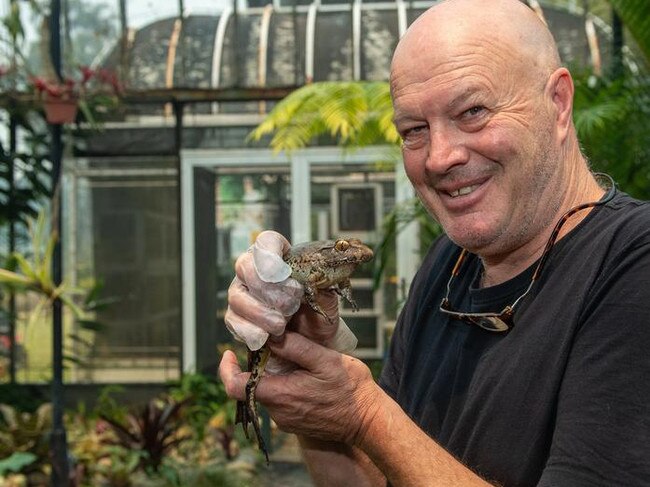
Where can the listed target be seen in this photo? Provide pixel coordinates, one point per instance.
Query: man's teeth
(463, 191)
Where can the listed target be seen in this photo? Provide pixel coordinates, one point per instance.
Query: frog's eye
(342, 245)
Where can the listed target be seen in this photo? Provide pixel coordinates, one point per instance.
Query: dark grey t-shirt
(563, 399)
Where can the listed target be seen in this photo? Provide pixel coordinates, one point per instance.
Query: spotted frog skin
(327, 264)
(322, 264)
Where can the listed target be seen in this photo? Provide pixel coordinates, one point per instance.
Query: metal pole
(58, 442)
(179, 109)
(617, 46)
(12, 246)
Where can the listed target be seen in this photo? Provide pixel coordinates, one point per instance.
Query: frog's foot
(310, 298)
(247, 409)
(345, 290)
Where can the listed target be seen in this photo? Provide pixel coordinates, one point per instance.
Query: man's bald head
(453, 27)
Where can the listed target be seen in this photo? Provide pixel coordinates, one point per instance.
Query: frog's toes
(346, 292)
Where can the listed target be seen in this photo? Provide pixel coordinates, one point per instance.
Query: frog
(317, 265)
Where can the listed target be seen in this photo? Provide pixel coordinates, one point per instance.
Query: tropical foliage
(612, 118)
(26, 434)
(31, 273)
(118, 445)
(24, 172)
(151, 431)
(353, 113)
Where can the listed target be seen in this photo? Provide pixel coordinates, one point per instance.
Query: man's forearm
(334, 464)
(406, 455)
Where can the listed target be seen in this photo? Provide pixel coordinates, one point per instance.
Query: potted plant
(62, 100)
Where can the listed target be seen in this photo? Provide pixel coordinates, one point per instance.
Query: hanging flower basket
(61, 99)
(60, 110)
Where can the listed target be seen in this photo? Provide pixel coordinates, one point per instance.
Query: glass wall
(123, 227)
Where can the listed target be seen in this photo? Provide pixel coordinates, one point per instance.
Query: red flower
(86, 73)
(39, 84)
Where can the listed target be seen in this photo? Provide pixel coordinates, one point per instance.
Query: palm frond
(354, 113)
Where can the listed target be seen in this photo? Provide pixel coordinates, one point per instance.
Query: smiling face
(479, 123)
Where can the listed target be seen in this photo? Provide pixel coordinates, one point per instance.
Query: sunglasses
(504, 321)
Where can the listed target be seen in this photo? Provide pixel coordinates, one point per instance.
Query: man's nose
(446, 150)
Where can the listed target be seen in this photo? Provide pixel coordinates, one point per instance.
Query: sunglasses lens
(490, 323)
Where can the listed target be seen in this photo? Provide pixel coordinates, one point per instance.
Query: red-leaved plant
(90, 82)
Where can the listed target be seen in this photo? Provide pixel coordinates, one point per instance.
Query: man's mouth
(465, 190)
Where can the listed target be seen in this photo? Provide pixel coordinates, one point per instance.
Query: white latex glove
(263, 298)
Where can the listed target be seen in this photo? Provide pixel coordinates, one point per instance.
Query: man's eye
(414, 137)
(472, 112)
(413, 132)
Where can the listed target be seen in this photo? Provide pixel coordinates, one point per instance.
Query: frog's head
(351, 250)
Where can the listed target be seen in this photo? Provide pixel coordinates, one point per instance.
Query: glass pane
(124, 228)
(365, 328)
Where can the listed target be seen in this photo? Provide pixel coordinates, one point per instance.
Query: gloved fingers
(344, 340)
(268, 250)
(245, 331)
(283, 296)
(252, 310)
(273, 242)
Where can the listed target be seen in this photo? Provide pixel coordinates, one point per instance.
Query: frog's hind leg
(247, 409)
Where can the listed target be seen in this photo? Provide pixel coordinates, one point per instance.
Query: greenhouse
(164, 174)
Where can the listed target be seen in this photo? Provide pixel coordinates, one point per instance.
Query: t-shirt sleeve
(602, 429)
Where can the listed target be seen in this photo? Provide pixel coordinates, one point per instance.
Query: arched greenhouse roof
(280, 46)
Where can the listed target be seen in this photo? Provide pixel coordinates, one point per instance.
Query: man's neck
(582, 188)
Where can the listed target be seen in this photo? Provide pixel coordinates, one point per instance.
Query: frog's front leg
(345, 289)
(247, 409)
(311, 289)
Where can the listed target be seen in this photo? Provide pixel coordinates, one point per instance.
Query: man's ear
(560, 89)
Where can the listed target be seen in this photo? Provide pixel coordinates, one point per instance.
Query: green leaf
(26, 267)
(91, 325)
(73, 359)
(78, 312)
(13, 23)
(93, 294)
(16, 462)
(88, 115)
(15, 279)
(45, 272)
(101, 304)
(357, 113)
(77, 339)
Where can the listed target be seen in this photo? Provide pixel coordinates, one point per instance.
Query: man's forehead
(445, 97)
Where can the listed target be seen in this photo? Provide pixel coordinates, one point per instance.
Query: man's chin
(474, 241)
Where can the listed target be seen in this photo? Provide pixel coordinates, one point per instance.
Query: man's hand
(330, 396)
(263, 298)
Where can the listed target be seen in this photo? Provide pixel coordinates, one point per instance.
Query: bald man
(520, 357)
